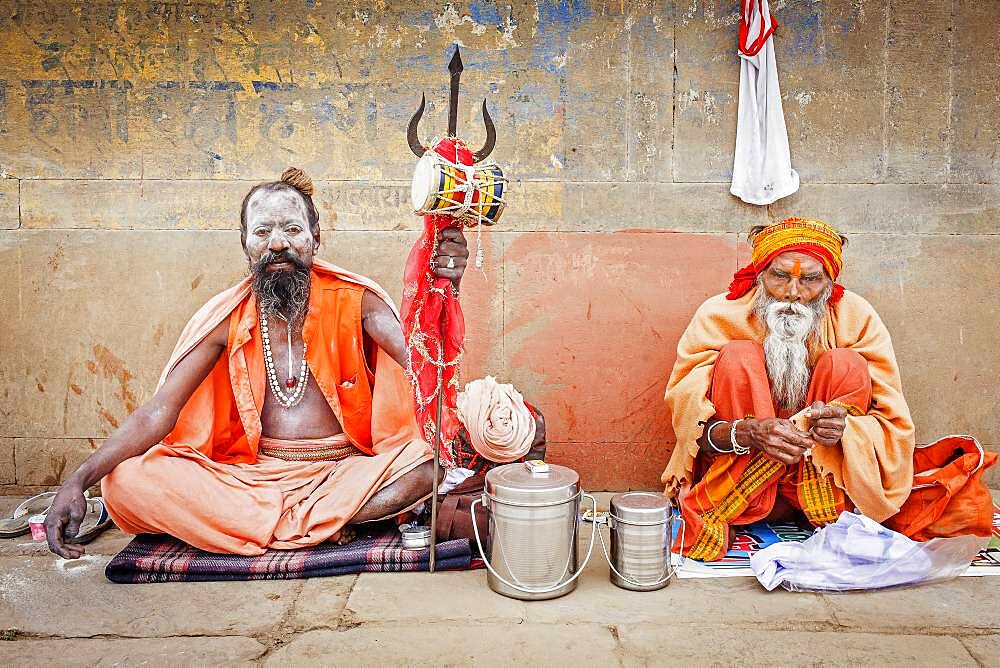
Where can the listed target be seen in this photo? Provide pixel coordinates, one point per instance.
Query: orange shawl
(222, 417)
(875, 461)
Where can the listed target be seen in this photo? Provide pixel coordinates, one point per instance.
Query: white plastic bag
(857, 553)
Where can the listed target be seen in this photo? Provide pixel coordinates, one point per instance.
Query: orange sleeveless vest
(222, 418)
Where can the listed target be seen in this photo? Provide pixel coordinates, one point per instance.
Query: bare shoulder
(207, 350)
(374, 307)
(379, 322)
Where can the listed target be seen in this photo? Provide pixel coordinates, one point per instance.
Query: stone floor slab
(985, 649)
(50, 596)
(959, 604)
(321, 602)
(681, 602)
(131, 652)
(657, 644)
(452, 644)
(447, 596)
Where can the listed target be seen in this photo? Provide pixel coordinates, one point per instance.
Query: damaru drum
(473, 193)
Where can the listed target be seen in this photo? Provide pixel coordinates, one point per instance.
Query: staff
(452, 188)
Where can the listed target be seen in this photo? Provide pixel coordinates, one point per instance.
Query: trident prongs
(455, 67)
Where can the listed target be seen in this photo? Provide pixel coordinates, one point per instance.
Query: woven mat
(378, 549)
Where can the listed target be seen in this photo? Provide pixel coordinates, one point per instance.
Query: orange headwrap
(812, 237)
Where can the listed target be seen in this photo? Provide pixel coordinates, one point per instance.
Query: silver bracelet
(708, 437)
(737, 448)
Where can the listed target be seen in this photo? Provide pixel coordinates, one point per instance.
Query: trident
(455, 69)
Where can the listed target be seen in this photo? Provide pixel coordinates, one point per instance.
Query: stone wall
(130, 131)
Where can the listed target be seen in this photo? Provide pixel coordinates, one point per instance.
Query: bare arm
(143, 429)
(380, 323)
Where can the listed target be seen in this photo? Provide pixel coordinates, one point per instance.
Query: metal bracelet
(708, 437)
(737, 448)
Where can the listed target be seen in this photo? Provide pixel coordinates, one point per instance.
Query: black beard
(281, 292)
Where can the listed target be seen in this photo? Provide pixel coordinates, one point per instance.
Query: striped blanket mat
(159, 558)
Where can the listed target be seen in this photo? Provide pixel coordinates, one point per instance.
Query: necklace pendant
(291, 382)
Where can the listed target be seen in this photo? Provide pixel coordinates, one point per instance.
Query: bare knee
(405, 491)
(417, 484)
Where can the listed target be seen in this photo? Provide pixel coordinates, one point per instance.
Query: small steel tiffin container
(641, 526)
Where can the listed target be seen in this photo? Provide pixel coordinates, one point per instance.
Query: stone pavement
(57, 612)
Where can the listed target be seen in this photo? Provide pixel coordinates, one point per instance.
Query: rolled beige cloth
(500, 426)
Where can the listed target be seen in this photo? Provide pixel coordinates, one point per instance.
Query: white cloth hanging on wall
(762, 166)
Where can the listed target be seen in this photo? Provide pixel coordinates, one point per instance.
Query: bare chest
(294, 406)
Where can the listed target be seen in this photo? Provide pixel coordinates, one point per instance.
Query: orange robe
(207, 485)
(740, 489)
(873, 463)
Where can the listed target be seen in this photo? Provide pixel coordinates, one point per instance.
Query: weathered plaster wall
(130, 131)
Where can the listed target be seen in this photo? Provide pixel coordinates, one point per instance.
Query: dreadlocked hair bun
(299, 180)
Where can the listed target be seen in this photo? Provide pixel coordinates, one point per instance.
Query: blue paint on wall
(423, 19)
(216, 86)
(531, 102)
(562, 12)
(325, 111)
(556, 19)
(485, 12)
(420, 61)
(273, 86)
(800, 35)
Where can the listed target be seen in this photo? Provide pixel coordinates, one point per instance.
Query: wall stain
(158, 332)
(58, 465)
(56, 258)
(106, 415)
(113, 367)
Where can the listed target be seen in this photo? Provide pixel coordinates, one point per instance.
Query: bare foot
(346, 535)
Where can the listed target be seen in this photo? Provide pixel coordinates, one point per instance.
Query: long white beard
(789, 325)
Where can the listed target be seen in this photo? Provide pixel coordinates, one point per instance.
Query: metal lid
(640, 506)
(516, 482)
(415, 530)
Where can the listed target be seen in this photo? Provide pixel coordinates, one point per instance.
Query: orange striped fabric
(774, 239)
(739, 490)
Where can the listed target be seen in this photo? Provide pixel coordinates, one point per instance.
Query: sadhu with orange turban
(786, 396)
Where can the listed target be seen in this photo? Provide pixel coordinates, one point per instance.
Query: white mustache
(790, 320)
(788, 308)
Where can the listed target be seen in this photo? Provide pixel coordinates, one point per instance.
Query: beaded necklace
(297, 386)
